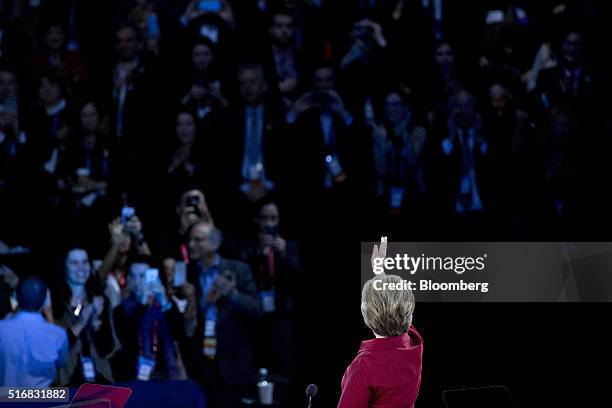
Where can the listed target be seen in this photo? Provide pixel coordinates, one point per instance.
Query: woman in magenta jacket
(386, 373)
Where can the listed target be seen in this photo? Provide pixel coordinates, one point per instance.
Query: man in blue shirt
(31, 349)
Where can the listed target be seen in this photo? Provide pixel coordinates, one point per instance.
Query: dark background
(547, 354)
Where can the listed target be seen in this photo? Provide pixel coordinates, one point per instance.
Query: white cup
(266, 392)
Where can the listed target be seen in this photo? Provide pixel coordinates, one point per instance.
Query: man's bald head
(204, 240)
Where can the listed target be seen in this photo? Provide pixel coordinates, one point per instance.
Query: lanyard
(184, 254)
(155, 340)
(120, 279)
(271, 263)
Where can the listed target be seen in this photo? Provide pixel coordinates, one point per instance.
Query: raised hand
(115, 228)
(98, 305)
(379, 252)
(225, 284)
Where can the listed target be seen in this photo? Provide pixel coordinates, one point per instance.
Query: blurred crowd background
(243, 149)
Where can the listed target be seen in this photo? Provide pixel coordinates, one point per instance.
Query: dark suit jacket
(446, 172)
(307, 152)
(233, 345)
(141, 139)
(131, 319)
(231, 135)
(553, 87)
(44, 138)
(224, 165)
(139, 100)
(286, 270)
(301, 68)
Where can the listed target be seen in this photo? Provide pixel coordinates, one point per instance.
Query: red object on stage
(95, 394)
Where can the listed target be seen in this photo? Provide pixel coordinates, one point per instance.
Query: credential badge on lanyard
(396, 197)
(268, 301)
(209, 347)
(145, 368)
(334, 168)
(88, 369)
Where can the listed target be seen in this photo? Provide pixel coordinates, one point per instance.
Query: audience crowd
(173, 170)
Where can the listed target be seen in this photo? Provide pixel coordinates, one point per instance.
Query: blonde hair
(386, 312)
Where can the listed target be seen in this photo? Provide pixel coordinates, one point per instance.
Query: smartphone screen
(153, 26)
(180, 274)
(151, 276)
(209, 5)
(127, 213)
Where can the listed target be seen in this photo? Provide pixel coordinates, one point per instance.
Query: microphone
(311, 392)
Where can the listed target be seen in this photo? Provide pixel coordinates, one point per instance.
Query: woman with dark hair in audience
(51, 135)
(87, 167)
(203, 91)
(88, 156)
(444, 80)
(182, 165)
(275, 265)
(185, 166)
(82, 310)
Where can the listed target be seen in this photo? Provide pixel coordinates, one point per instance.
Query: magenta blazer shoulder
(386, 373)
